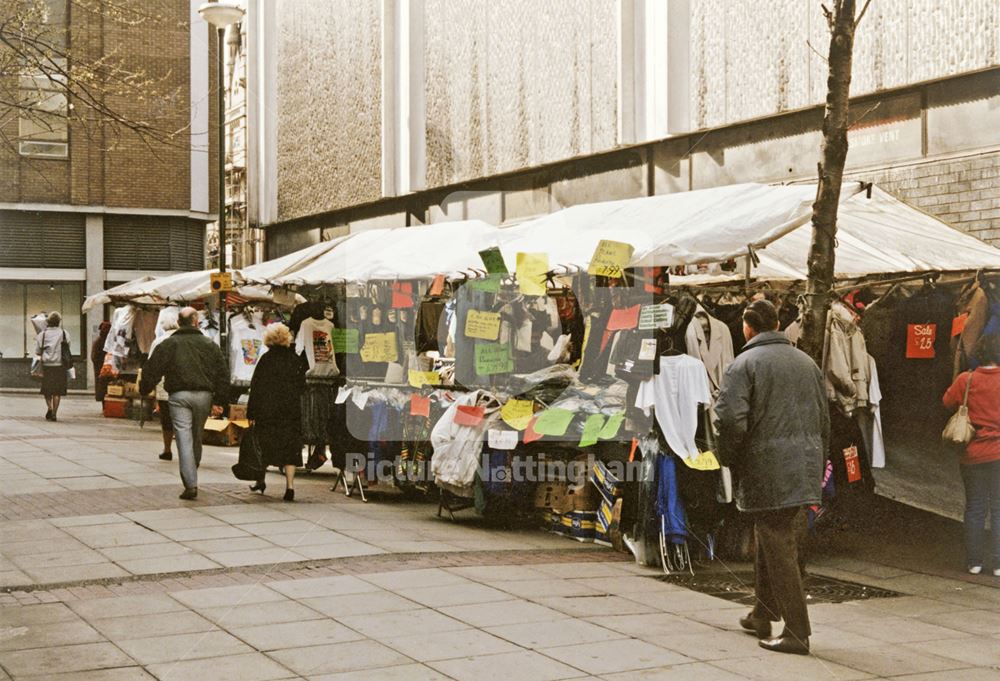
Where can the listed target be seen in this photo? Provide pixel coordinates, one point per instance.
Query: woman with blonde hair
(274, 407)
(50, 346)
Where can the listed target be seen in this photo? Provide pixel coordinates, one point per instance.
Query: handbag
(251, 462)
(36, 369)
(67, 354)
(959, 429)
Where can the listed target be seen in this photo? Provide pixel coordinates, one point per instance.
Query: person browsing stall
(774, 428)
(195, 378)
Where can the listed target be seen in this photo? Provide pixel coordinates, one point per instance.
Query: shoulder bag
(959, 429)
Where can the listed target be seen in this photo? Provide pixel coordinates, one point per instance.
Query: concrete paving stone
(626, 584)
(167, 564)
(182, 522)
(155, 624)
(827, 636)
(529, 666)
(313, 538)
(176, 647)
(295, 634)
(594, 606)
(681, 601)
(91, 482)
(404, 672)
(658, 624)
(608, 657)
(123, 606)
(536, 635)
(979, 651)
(64, 544)
(891, 660)
(47, 635)
(490, 574)
(697, 671)
(75, 573)
(117, 674)
(338, 585)
(117, 534)
(344, 657)
(257, 557)
(776, 667)
(243, 513)
(899, 630)
(726, 619)
(547, 588)
(148, 518)
(501, 613)
(454, 594)
(64, 659)
(412, 579)
(59, 559)
(431, 546)
(207, 532)
(429, 646)
(246, 667)
(290, 526)
(705, 647)
(361, 604)
(251, 614)
(967, 675)
(338, 550)
(29, 615)
(85, 520)
(391, 623)
(119, 553)
(230, 544)
(14, 578)
(239, 594)
(904, 606)
(971, 597)
(971, 621)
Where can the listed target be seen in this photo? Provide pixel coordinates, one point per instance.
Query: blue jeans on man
(188, 410)
(982, 497)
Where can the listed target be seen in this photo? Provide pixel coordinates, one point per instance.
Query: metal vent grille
(738, 587)
(148, 243)
(42, 239)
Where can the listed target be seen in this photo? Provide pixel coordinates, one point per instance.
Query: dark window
(40, 239)
(150, 243)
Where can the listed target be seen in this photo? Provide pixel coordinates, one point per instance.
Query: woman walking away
(162, 397)
(49, 347)
(980, 462)
(274, 407)
(97, 360)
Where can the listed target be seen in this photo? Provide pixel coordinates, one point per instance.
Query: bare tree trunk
(831, 171)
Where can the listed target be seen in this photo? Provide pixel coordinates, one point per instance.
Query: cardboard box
(223, 432)
(115, 390)
(237, 412)
(115, 407)
(579, 525)
(549, 495)
(583, 497)
(131, 389)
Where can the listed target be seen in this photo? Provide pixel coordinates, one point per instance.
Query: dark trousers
(982, 499)
(778, 569)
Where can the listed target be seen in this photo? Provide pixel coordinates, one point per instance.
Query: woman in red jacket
(980, 463)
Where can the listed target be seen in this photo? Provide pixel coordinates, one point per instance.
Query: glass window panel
(50, 298)
(11, 316)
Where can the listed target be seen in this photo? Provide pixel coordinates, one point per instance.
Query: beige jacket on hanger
(845, 360)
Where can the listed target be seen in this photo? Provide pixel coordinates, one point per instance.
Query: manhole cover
(738, 587)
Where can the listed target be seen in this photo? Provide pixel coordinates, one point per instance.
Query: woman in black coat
(274, 407)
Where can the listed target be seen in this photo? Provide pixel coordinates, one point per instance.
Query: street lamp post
(221, 14)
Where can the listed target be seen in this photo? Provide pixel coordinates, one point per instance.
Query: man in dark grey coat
(774, 426)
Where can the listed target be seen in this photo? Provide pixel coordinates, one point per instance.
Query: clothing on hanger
(674, 394)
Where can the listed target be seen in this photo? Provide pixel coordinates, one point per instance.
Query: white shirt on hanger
(874, 397)
(315, 337)
(246, 346)
(675, 394)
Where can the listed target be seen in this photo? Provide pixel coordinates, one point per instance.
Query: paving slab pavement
(111, 578)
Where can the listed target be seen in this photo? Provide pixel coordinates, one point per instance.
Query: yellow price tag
(531, 270)
(422, 378)
(705, 461)
(610, 259)
(483, 325)
(517, 413)
(379, 347)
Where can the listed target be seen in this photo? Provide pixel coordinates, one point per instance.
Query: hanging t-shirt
(675, 394)
(315, 338)
(246, 346)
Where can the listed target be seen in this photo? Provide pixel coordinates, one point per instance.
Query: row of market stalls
(484, 365)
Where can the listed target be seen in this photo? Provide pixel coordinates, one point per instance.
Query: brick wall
(965, 192)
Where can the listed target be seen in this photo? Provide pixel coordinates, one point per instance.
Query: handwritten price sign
(482, 325)
(920, 341)
(610, 259)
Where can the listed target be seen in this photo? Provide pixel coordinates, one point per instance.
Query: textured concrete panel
(329, 105)
(963, 114)
(750, 59)
(624, 183)
(516, 83)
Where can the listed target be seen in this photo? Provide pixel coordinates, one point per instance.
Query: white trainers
(976, 569)
(996, 572)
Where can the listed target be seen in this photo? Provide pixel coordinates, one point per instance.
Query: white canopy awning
(265, 272)
(123, 291)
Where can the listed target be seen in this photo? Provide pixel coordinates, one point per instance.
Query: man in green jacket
(195, 378)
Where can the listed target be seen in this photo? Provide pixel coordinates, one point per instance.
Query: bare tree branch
(861, 15)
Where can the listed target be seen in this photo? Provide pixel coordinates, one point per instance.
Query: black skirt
(54, 381)
(280, 443)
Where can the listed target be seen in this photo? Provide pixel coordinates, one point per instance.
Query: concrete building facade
(97, 204)
(419, 111)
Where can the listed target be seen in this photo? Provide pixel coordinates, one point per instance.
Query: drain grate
(738, 587)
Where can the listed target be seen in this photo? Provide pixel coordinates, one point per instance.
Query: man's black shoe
(760, 627)
(166, 456)
(786, 644)
(189, 493)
